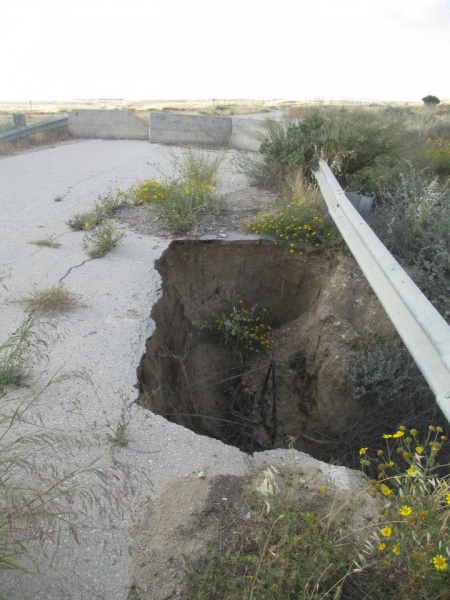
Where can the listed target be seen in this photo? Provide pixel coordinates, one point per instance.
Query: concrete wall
(176, 128)
(243, 133)
(107, 124)
(247, 133)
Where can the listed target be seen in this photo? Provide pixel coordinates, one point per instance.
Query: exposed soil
(318, 306)
(238, 207)
(172, 532)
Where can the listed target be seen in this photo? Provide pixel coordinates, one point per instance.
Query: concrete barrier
(107, 124)
(176, 128)
(247, 133)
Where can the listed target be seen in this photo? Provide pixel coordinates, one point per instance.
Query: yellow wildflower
(412, 472)
(386, 531)
(385, 490)
(363, 451)
(440, 562)
(405, 510)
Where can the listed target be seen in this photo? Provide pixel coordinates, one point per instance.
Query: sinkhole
(297, 394)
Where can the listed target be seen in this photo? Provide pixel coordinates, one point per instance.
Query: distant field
(38, 111)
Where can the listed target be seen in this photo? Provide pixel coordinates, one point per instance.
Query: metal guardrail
(21, 132)
(423, 330)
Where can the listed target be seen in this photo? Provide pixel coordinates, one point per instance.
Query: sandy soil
(239, 206)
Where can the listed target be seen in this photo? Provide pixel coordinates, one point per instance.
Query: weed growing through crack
(103, 209)
(48, 242)
(244, 331)
(50, 301)
(101, 239)
(58, 198)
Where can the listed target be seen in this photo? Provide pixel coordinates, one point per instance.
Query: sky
(392, 50)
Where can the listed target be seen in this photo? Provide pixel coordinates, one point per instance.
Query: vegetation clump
(103, 209)
(245, 331)
(101, 239)
(180, 202)
(431, 100)
(413, 539)
(14, 356)
(50, 301)
(48, 242)
(401, 552)
(299, 221)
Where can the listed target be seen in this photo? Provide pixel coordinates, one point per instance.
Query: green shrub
(383, 373)
(301, 223)
(288, 147)
(244, 331)
(179, 203)
(431, 100)
(101, 239)
(412, 217)
(437, 155)
(389, 386)
(260, 173)
(356, 138)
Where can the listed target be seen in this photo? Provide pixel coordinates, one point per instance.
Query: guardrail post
(19, 120)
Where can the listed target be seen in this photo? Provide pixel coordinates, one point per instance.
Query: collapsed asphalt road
(100, 343)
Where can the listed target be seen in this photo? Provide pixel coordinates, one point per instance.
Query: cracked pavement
(101, 342)
(104, 339)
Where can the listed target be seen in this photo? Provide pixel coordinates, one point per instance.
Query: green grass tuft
(51, 301)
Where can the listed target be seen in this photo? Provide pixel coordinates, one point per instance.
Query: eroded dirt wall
(318, 305)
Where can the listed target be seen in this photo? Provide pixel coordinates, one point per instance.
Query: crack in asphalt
(75, 267)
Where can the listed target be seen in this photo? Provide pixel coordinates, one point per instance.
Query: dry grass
(50, 301)
(48, 242)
